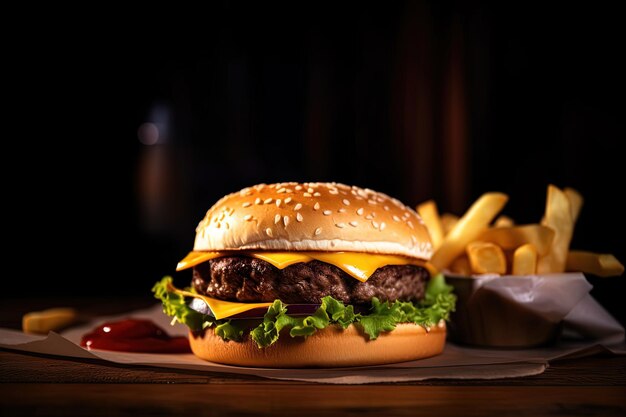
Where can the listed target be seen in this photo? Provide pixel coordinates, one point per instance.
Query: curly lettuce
(438, 303)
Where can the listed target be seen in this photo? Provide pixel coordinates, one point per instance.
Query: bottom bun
(330, 347)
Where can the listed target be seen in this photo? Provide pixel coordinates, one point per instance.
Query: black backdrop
(416, 99)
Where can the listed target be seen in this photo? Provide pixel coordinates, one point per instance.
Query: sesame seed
(372, 202)
(227, 225)
(369, 217)
(269, 232)
(346, 201)
(383, 225)
(410, 224)
(298, 187)
(318, 231)
(219, 225)
(342, 210)
(340, 225)
(375, 224)
(268, 200)
(307, 194)
(246, 204)
(333, 191)
(317, 194)
(289, 191)
(327, 212)
(396, 218)
(287, 200)
(353, 192)
(299, 217)
(278, 202)
(257, 201)
(286, 220)
(222, 216)
(353, 223)
(316, 206)
(247, 217)
(386, 208)
(297, 207)
(276, 218)
(281, 190)
(310, 190)
(360, 211)
(373, 214)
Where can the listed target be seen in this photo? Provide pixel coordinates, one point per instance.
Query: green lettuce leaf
(438, 303)
(174, 305)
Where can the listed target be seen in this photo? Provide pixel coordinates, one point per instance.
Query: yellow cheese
(194, 258)
(222, 309)
(359, 265)
(282, 259)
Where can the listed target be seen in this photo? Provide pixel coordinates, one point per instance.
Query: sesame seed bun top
(313, 217)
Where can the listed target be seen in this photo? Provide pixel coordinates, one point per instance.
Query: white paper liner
(527, 311)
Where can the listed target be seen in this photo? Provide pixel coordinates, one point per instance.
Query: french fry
(448, 220)
(575, 200)
(600, 264)
(468, 228)
(44, 321)
(503, 221)
(486, 257)
(461, 266)
(508, 238)
(429, 213)
(558, 216)
(525, 260)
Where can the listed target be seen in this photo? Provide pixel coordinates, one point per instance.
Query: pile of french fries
(481, 242)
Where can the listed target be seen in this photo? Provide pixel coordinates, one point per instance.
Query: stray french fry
(525, 260)
(575, 200)
(429, 213)
(503, 221)
(461, 266)
(448, 220)
(48, 320)
(468, 228)
(486, 257)
(509, 238)
(558, 216)
(600, 264)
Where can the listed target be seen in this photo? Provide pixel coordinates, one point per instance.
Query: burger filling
(393, 294)
(245, 279)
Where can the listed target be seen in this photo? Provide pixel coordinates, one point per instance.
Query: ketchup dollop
(134, 335)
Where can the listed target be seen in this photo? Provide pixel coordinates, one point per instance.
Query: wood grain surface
(34, 384)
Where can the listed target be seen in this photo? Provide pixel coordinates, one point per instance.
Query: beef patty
(247, 279)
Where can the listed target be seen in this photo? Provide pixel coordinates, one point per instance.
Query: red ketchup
(134, 335)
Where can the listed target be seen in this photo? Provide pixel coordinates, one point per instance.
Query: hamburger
(310, 275)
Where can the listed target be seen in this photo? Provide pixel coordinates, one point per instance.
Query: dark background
(416, 99)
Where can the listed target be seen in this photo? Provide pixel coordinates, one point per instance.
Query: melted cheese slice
(359, 265)
(223, 309)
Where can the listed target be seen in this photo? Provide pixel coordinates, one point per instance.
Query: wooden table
(43, 385)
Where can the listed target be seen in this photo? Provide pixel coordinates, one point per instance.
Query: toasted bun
(330, 347)
(313, 217)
